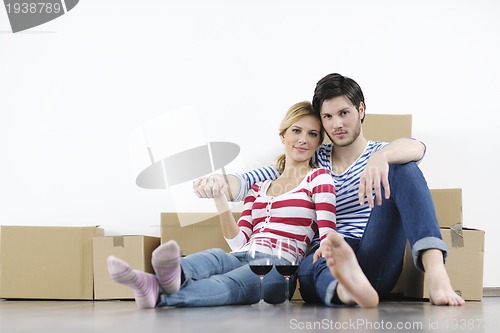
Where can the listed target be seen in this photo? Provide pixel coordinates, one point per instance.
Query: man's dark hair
(334, 85)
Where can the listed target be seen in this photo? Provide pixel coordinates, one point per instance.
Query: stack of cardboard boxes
(70, 262)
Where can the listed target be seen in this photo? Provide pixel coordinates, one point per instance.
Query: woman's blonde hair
(294, 114)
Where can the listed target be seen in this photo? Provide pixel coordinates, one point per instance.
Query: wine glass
(260, 260)
(287, 261)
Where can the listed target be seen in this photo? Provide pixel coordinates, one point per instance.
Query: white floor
(123, 316)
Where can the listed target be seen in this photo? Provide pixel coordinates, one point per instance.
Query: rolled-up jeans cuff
(330, 292)
(426, 244)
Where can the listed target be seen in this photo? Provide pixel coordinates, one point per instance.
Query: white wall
(73, 90)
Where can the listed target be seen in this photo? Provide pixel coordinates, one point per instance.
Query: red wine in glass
(261, 270)
(287, 270)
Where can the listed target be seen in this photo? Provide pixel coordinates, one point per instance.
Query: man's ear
(361, 111)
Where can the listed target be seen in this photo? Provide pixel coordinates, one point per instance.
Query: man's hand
(211, 186)
(374, 176)
(376, 173)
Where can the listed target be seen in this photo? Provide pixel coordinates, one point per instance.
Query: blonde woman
(300, 202)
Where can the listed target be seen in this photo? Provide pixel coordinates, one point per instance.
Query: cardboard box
(464, 265)
(136, 250)
(47, 262)
(387, 127)
(196, 237)
(448, 204)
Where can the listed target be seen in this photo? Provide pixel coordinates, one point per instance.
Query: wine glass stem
(261, 290)
(287, 290)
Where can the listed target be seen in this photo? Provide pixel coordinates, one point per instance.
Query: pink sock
(144, 285)
(166, 260)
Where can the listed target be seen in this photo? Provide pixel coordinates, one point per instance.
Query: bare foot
(437, 280)
(353, 285)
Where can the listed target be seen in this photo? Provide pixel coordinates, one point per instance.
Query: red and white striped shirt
(294, 214)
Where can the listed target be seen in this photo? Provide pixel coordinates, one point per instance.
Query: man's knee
(397, 169)
(406, 174)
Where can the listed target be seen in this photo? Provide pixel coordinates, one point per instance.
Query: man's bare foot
(438, 281)
(353, 286)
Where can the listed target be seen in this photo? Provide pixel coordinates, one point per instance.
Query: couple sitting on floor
(351, 205)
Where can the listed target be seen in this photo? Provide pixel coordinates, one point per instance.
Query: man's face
(341, 120)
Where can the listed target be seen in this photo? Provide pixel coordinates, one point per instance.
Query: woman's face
(302, 139)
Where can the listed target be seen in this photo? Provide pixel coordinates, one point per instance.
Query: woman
(295, 205)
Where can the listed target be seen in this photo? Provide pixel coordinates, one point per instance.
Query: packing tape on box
(118, 241)
(457, 236)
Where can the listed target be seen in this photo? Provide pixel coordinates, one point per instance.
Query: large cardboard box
(464, 265)
(47, 262)
(387, 127)
(448, 204)
(136, 250)
(195, 237)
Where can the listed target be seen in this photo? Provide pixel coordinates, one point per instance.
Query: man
(382, 201)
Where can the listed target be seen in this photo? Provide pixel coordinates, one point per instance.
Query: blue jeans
(408, 214)
(214, 277)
